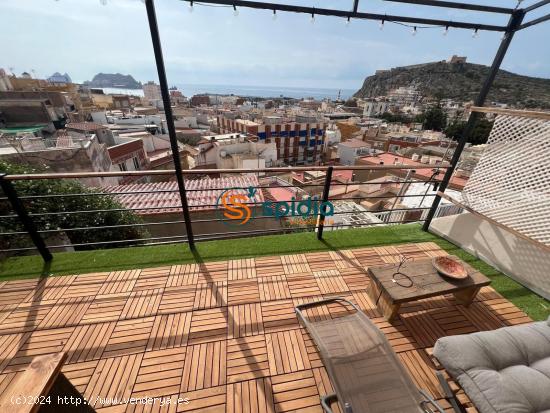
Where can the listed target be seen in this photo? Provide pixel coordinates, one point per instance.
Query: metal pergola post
(513, 25)
(155, 37)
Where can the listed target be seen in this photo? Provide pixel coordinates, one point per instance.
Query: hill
(114, 80)
(460, 81)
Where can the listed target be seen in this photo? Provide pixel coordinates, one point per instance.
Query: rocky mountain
(114, 80)
(460, 81)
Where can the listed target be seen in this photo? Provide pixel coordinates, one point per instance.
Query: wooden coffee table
(426, 282)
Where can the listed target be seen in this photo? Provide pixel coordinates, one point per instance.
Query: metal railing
(37, 218)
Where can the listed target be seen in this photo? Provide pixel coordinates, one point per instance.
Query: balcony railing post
(322, 209)
(161, 70)
(513, 24)
(26, 220)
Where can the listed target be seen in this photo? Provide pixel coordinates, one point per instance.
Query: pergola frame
(515, 23)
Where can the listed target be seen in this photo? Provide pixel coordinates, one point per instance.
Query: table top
(426, 281)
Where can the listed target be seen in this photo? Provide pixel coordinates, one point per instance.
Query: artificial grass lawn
(142, 257)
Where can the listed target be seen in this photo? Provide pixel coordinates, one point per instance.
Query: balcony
(217, 325)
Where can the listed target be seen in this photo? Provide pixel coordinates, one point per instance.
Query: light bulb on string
(446, 31)
(414, 31)
(235, 11)
(381, 25)
(348, 21)
(475, 34)
(274, 17)
(312, 21)
(191, 6)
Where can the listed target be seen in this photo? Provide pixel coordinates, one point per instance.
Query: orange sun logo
(234, 208)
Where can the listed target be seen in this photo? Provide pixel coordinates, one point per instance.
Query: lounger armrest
(429, 404)
(327, 400)
(325, 301)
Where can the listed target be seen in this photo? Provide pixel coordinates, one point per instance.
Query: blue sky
(211, 45)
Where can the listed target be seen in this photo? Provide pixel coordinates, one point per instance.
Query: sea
(249, 91)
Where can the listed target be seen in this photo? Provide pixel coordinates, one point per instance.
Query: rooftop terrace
(222, 332)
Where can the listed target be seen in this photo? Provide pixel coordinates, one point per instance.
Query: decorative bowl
(450, 267)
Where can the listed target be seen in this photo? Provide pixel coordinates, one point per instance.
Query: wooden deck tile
(355, 278)
(330, 282)
(205, 366)
(180, 275)
(296, 392)
(293, 264)
(251, 396)
(211, 294)
(279, 315)
(177, 299)
(268, 266)
(274, 287)
(287, 352)
(87, 342)
(247, 358)
(25, 318)
(105, 309)
(87, 285)
(169, 330)
(67, 312)
(152, 278)
(319, 261)
(242, 292)
(345, 259)
(142, 303)
(304, 285)
(119, 282)
(113, 378)
(211, 400)
(79, 374)
(160, 373)
(38, 343)
(9, 344)
(245, 320)
(241, 269)
(208, 325)
(213, 272)
(50, 289)
(129, 337)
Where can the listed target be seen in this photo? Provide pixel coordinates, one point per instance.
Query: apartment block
(296, 143)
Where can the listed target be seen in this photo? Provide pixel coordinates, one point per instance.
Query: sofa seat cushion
(502, 371)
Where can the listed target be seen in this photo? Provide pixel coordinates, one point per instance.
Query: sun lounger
(366, 374)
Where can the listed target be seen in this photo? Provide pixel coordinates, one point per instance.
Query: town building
(151, 91)
(296, 143)
(350, 150)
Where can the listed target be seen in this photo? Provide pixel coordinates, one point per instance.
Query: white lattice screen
(511, 183)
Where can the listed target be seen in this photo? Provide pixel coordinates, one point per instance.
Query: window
(122, 166)
(136, 163)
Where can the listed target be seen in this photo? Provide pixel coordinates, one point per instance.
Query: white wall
(520, 259)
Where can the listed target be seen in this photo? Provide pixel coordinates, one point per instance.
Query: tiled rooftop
(200, 196)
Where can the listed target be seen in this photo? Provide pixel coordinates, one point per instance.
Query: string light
(475, 34)
(348, 21)
(235, 11)
(446, 31)
(414, 31)
(274, 14)
(382, 25)
(191, 6)
(313, 16)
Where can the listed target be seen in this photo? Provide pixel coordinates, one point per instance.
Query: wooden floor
(221, 334)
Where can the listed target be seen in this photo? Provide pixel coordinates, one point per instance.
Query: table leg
(466, 297)
(383, 301)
